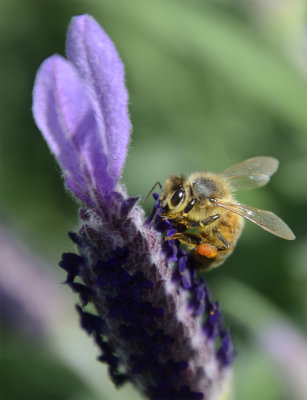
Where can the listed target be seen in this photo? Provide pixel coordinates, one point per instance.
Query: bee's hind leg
(195, 242)
(226, 244)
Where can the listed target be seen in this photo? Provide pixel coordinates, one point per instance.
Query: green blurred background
(211, 83)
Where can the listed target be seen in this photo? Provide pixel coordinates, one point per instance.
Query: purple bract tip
(80, 106)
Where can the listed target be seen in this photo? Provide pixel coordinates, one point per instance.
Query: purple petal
(94, 55)
(64, 114)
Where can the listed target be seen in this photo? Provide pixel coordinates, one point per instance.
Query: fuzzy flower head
(155, 323)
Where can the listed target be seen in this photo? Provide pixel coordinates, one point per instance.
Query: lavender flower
(156, 325)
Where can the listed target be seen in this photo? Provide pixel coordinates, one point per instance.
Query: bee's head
(174, 194)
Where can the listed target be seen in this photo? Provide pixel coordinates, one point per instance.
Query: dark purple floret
(84, 292)
(75, 238)
(197, 302)
(72, 264)
(90, 322)
(165, 391)
(226, 353)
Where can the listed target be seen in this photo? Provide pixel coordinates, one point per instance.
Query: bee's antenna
(151, 190)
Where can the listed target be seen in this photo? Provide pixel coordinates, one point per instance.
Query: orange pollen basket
(206, 250)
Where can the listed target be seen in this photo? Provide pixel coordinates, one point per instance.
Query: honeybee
(208, 218)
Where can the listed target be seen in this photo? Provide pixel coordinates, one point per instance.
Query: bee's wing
(250, 173)
(265, 219)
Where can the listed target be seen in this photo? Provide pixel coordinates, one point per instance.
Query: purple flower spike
(155, 323)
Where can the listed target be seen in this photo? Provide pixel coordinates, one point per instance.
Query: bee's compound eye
(177, 197)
